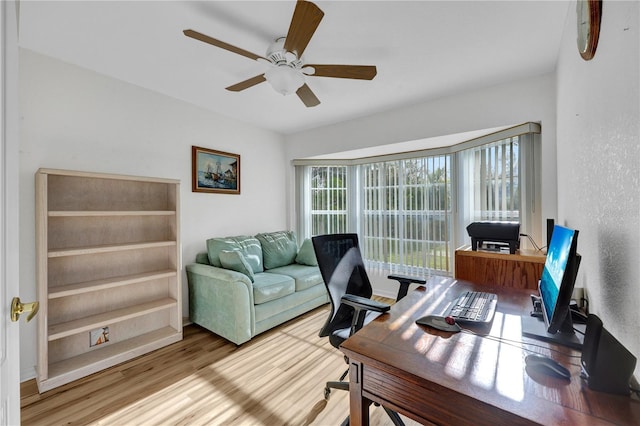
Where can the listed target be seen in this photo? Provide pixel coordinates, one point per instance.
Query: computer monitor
(555, 288)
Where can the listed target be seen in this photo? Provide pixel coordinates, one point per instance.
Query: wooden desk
(455, 379)
(520, 270)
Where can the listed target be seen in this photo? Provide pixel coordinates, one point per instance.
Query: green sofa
(245, 285)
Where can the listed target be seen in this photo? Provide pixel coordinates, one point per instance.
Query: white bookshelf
(107, 249)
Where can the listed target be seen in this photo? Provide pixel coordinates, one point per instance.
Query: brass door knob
(18, 308)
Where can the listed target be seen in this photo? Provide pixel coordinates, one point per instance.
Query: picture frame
(215, 171)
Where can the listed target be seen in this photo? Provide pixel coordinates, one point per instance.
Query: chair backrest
(343, 272)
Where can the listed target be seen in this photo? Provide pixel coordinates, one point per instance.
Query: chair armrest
(405, 281)
(363, 303)
(403, 278)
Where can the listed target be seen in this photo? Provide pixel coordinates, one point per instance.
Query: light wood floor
(275, 379)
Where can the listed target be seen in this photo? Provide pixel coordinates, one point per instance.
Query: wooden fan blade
(307, 96)
(221, 44)
(247, 83)
(305, 20)
(359, 72)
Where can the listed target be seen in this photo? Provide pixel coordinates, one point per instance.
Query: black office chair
(350, 291)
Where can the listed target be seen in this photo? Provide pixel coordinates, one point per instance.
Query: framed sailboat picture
(215, 171)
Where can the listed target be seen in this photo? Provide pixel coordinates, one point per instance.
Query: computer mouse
(547, 366)
(439, 323)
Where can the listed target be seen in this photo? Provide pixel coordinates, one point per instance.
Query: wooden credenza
(520, 270)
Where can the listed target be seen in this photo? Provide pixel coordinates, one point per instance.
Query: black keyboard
(474, 306)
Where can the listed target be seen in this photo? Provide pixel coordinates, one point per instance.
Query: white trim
(9, 214)
(518, 130)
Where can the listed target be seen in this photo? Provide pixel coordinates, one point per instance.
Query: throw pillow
(306, 254)
(252, 251)
(235, 260)
(278, 248)
(217, 245)
(249, 246)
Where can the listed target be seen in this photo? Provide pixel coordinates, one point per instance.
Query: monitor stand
(535, 328)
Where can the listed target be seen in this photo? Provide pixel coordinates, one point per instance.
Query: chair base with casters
(366, 310)
(350, 294)
(340, 385)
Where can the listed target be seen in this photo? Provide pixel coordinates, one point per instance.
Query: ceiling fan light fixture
(284, 79)
(286, 69)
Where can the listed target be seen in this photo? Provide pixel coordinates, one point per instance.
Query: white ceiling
(422, 49)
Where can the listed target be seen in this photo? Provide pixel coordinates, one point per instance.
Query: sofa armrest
(221, 300)
(219, 274)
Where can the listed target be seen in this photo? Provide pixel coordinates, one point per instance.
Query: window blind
(406, 217)
(410, 210)
(328, 189)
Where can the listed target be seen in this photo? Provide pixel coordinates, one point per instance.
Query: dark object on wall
(606, 364)
(589, 17)
(500, 233)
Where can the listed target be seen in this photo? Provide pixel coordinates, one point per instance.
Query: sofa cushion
(278, 248)
(202, 258)
(268, 315)
(235, 260)
(269, 286)
(306, 254)
(305, 276)
(249, 246)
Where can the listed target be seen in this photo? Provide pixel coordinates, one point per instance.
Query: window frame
(529, 175)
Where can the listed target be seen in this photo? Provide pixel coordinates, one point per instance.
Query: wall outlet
(98, 336)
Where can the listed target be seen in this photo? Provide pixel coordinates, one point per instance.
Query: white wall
(599, 165)
(72, 118)
(510, 103)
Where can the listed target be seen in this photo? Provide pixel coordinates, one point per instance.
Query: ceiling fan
(286, 70)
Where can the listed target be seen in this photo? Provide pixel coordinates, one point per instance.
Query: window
(406, 214)
(328, 189)
(411, 210)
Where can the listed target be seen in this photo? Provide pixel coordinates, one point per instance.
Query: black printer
(498, 233)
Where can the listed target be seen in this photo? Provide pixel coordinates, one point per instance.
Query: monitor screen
(556, 287)
(558, 279)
